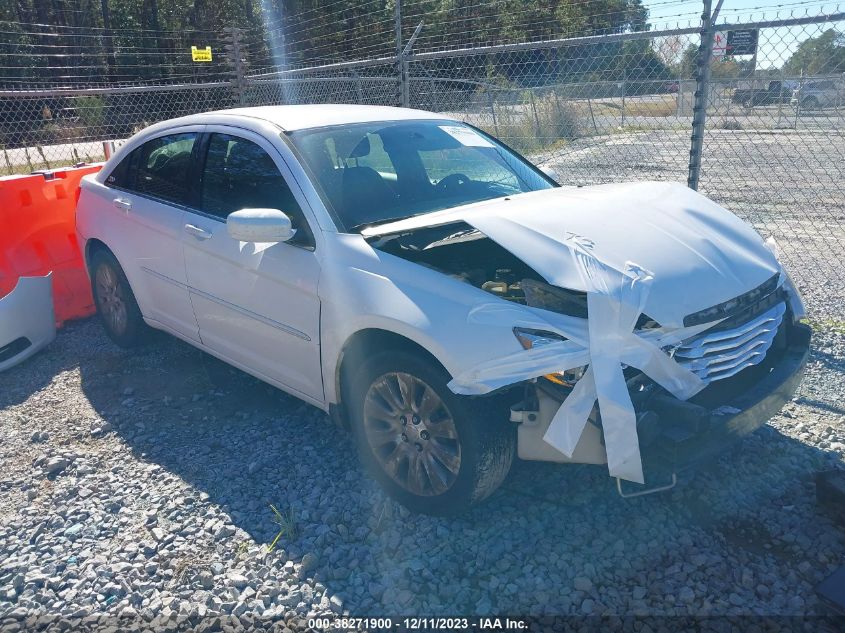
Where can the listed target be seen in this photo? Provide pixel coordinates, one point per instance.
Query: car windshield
(371, 173)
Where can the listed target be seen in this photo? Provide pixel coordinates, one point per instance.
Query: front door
(256, 304)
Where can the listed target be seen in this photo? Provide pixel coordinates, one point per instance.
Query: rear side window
(159, 168)
(119, 176)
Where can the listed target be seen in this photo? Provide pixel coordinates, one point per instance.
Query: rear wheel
(116, 304)
(431, 450)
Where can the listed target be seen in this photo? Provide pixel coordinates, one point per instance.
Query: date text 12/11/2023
(343, 623)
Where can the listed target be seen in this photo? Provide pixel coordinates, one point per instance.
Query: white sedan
(430, 288)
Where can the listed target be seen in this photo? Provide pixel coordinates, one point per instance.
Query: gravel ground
(137, 484)
(140, 483)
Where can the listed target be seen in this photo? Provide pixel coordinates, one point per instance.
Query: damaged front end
(671, 396)
(466, 254)
(752, 363)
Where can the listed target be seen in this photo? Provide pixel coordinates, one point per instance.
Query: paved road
(55, 155)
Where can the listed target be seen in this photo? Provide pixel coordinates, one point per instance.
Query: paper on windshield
(466, 136)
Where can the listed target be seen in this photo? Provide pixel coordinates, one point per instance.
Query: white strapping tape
(606, 341)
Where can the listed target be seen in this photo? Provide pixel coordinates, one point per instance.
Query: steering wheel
(453, 181)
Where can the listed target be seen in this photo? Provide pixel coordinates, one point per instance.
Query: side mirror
(550, 172)
(259, 225)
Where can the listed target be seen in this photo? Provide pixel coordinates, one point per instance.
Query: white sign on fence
(720, 44)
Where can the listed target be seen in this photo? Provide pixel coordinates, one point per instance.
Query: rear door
(148, 193)
(256, 304)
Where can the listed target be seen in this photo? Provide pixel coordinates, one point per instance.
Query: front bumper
(682, 434)
(27, 322)
(677, 434)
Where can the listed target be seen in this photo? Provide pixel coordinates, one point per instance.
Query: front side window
(160, 167)
(371, 173)
(239, 174)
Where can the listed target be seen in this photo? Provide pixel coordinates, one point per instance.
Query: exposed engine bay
(466, 254)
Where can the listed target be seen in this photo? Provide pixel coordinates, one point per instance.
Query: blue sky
(775, 45)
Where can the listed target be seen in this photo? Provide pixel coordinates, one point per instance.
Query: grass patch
(287, 526)
(835, 326)
(665, 106)
(537, 123)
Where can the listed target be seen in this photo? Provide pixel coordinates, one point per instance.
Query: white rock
(238, 581)
(56, 465)
(583, 583)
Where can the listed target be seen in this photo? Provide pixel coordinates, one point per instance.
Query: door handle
(122, 203)
(197, 232)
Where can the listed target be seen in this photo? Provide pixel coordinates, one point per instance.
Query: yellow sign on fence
(201, 54)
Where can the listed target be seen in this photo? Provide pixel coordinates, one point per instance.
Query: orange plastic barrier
(38, 235)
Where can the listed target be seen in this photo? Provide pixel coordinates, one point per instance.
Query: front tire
(431, 450)
(116, 305)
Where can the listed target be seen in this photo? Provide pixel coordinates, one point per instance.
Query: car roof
(300, 117)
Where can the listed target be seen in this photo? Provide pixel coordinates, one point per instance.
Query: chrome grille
(725, 353)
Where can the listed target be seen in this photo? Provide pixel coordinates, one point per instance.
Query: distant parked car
(775, 92)
(818, 94)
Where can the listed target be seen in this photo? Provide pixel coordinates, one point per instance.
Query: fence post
(536, 118)
(624, 90)
(432, 93)
(401, 67)
(235, 54)
(592, 116)
(798, 102)
(406, 92)
(359, 89)
(493, 111)
(702, 85)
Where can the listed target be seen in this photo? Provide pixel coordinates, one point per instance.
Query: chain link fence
(759, 129)
(372, 82)
(599, 110)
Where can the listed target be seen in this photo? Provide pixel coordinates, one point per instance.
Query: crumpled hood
(699, 253)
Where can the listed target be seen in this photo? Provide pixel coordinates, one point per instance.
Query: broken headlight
(530, 339)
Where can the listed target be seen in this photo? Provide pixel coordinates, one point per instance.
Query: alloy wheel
(111, 299)
(412, 434)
